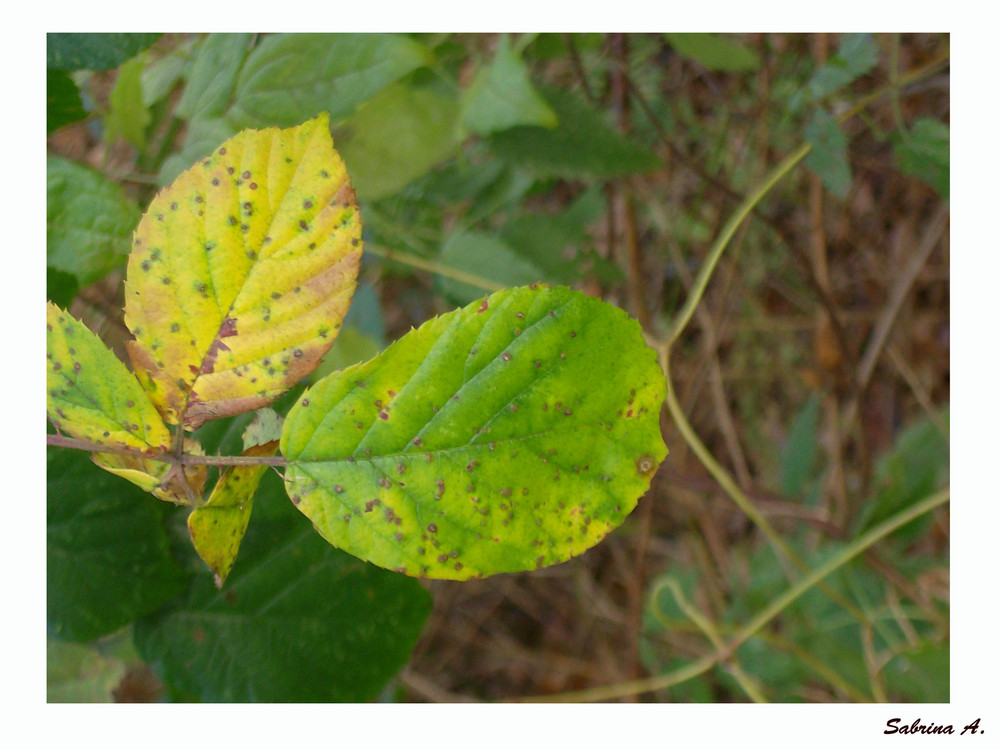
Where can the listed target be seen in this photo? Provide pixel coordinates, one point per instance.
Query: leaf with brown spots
(217, 528)
(91, 395)
(241, 273)
(506, 436)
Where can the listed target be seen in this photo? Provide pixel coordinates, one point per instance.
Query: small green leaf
(290, 77)
(916, 466)
(502, 96)
(920, 674)
(212, 78)
(161, 74)
(241, 273)
(80, 674)
(857, 55)
(556, 243)
(397, 136)
(924, 152)
(509, 435)
(91, 395)
(486, 257)
(828, 157)
(798, 458)
(109, 559)
(128, 115)
(298, 621)
(715, 52)
(581, 146)
(265, 428)
(94, 51)
(89, 220)
(63, 103)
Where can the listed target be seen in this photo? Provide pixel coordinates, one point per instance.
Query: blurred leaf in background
(129, 115)
(110, 559)
(501, 96)
(93, 51)
(90, 220)
(715, 52)
(80, 674)
(63, 103)
(828, 157)
(917, 465)
(798, 458)
(924, 152)
(397, 136)
(584, 146)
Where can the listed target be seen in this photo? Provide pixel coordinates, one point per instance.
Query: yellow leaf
(217, 528)
(241, 273)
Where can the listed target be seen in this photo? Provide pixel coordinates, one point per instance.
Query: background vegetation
(810, 388)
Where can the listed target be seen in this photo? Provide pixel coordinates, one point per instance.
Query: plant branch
(182, 459)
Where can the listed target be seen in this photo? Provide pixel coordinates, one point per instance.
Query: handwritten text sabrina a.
(917, 727)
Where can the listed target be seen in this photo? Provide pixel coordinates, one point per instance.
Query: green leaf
(289, 77)
(828, 157)
(298, 620)
(91, 395)
(212, 79)
(798, 458)
(925, 153)
(509, 435)
(545, 238)
(920, 675)
(396, 137)
(94, 51)
(128, 115)
(241, 273)
(581, 146)
(916, 466)
(715, 52)
(161, 74)
(501, 96)
(89, 220)
(109, 559)
(207, 96)
(63, 103)
(80, 674)
(857, 55)
(487, 257)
